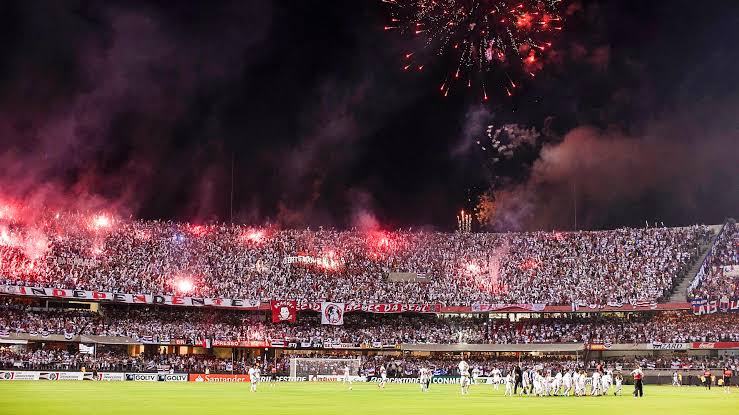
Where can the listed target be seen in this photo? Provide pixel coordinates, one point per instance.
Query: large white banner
(174, 300)
(332, 313)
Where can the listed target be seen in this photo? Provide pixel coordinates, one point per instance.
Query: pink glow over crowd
(105, 253)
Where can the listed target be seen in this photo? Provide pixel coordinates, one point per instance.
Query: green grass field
(78, 398)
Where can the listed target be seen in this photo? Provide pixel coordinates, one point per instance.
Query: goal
(309, 367)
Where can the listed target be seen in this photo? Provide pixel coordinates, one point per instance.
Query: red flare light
(254, 236)
(101, 221)
(198, 230)
(184, 286)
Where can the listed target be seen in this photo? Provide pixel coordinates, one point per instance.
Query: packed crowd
(108, 254)
(154, 325)
(44, 359)
(719, 274)
(668, 327)
(15, 318)
(114, 361)
(396, 366)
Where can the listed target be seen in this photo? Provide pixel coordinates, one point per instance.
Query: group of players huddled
(569, 382)
(540, 382)
(534, 381)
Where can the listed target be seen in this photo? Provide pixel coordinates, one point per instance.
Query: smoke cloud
(684, 166)
(93, 101)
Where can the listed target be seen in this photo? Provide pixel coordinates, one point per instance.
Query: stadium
(664, 306)
(380, 206)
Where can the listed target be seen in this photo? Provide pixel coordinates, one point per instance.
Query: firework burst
(488, 42)
(504, 141)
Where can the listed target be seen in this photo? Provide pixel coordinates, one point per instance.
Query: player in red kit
(638, 386)
(727, 379)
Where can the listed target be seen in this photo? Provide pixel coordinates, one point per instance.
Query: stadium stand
(719, 274)
(153, 257)
(362, 328)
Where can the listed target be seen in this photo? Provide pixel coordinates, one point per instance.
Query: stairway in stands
(680, 292)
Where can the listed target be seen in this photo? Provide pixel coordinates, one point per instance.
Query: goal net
(308, 367)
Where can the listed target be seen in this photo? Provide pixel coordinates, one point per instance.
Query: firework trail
(488, 41)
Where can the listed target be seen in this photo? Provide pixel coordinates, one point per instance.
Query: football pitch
(78, 398)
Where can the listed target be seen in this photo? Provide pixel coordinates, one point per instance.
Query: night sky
(142, 107)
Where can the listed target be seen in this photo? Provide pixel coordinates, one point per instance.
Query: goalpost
(313, 366)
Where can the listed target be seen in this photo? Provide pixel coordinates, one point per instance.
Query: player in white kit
(253, 378)
(567, 382)
(496, 378)
(508, 385)
(557, 383)
(347, 376)
(675, 380)
(619, 379)
(526, 380)
(425, 379)
(464, 377)
(595, 385)
(383, 377)
(580, 384)
(542, 384)
(606, 382)
(475, 375)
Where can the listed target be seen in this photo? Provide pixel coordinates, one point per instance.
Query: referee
(638, 386)
(707, 379)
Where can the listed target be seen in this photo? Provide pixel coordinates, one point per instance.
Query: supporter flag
(641, 303)
(332, 313)
(284, 311)
(4, 333)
